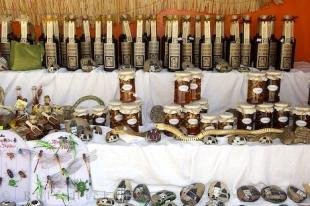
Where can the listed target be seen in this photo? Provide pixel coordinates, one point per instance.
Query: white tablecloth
(223, 90)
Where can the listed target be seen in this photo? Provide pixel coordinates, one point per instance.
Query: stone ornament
(295, 194)
(248, 193)
(142, 194)
(273, 194)
(123, 192)
(192, 194)
(218, 191)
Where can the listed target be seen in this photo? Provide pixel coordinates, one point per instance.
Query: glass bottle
(98, 43)
(6, 37)
(246, 42)
(50, 44)
(64, 40)
(126, 43)
(233, 43)
(72, 46)
(139, 45)
(165, 41)
(273, 42)
(25, 32)
(261, 45)
(110, 47)
(174, 47)
(219, 40)
(85, 42)
(57, 38)
(197, 41)
(153, 41)
(187, 40)
(206, 46)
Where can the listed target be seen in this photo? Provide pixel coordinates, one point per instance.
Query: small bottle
(219, 40)
(187, 40)
(246, 116)
(208, 121)
(182, 88)
(6, 37)
(64, 40)
(273, 86)
(261, 45)
(127, 85)
(72, 46)
(192, 118)
(165, 41)
(110, 47)
(85, 40)
(197, 41)
(246, 42)
(264, 116)
(174, 47)
(139, 45)
(98, 43)
(233, 44)
(281, 115)
(126, 43)
(153, 40)
(273, 42)
(50, 44)
(206, 46)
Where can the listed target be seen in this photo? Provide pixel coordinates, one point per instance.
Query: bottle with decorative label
(273, 42)
(139, 45)
(233, 43)
(50, 45)
(57, 38)
(72, 46)
(287, 44)
(63, 42)
(165, 41)
(187, 40)
(153, 43)
(85, 40)
(206, 46)
(174, 47)
(246, 42)
(6, 37)
(219, 40)
(98, 43)
(197, 41)
(261, 45)
(126, 43)
(110, 47)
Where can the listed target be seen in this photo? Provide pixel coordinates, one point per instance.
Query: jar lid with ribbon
(99, 110)
(226, 116)
(195, 72)
(183, 76)
(114, 105)
(126, 74)
(301, 110)
(80, 111)
(246, 108)
(192, 108)
(257, 76)
(172, 109)
(282, 106)
(274, 74)
(130, 108)
(265, 107)
(203, 103)
(208, 118)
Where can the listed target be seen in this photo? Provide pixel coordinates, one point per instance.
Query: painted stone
(210, 140)
(273, 194)
(122, 193)
(141, 193)
(191, 194)
(105, 201)
(161, 197)
(248, 193)
(295, 194)
(218, 191)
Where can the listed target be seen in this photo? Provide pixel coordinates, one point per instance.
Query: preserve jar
(181, 88)
(127, 85)
(139, 102)
(81, 112)
(281, 115)
(203, 104)
(301, 117)
(226, 121)
(264, 116)
(208, 121)
(192, 118)
(195, 84)
(173, 114)
(99, 115)
(273, 86)
(246, 116)
(256, 87)
(130, 113)
(115, 115)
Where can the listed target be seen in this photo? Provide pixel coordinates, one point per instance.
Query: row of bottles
(178, 45)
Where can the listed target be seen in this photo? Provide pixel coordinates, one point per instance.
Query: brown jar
(301, 117)
(203, 105)
(195, 84)
(281, 115)
(264, 116)
(99, 115)
(246, 116)
(181, 88)
(116, 117)
(226, 121)
(127, 85)
(139, 102)
(130, 113)
(256, 87)
(173, 114)
(192, 118)
(208, 121)
(273, 86)
(81, 112)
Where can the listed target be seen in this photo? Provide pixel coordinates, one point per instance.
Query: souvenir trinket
(265, 140)
(161, 197)
(273, 194)
(210, 140)
(87, 64)
(123, 192)
(237, 140)
(248, 193)
(153, 135)
(80, 128)
(105, 201)
(192, 194)
(218, 191)
(157, 114)
(152, 65)
(295, 194)
(222, 66)
(142, 194)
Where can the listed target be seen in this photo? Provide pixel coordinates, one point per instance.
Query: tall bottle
(126, 44)
(110, 47)
(233, 43)
(219, 40)
(206, 46)
(174, 47)
(287, 44)
(153, 43)
(63, 42)
(72, 46)
(57, 38)
(187, 40)
(246, 42)
(197, 41)
(98, 43)
(261, 45)
(6, 37)
(139, 45)
(26, 33)
(165, 41)
(273, 42)
(50, 44)
(85, 40)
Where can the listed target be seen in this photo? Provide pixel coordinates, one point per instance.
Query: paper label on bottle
(246, 120)
(246, 33)
(66, 30)
(183, 88)
(234, 55)
(272, 88)
(71, 31)
(246, 54)
(4, 32)
(286, 56)
(175, 31)
(63, 46)
(264, 31)
(72, 56)
(98, 52)
(287, 31)
(187, 52)
(127, 31)
(174, 56)
(98, 31)
(23, 31)
(169, 32)
(185, 31)
(262, 56)
(192, 121)
(228, 127)
(153, 49)
(139, 31)
(86, 30)
(301, 123)
(109, 55)
(49, 31)
(50, 54)
(258, 90)
(147, 27)
(265, 120)
(198, 30)
(207, 32)
(132, 121)
(127, 87)
(206, 56)
(174, 121)
(86, 49)
(283, 119)
(139, 54)
(56, 29)
(126, 53)
(272, 53)
(109, 32)
(118, 117)
(218, 29)
(100, 120)
(153, 31)
(218, 51)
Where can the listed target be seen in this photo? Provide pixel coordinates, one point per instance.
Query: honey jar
(99, 115)
(192, 118)
(246, 116)
(182, 88)
(139, 102)
(173, 114)
(226, 121)
(81, 112)
(115, 115)
(257, 82)
(264, 116)
(203, 104)
(208, 121)
(195, 84)
(281, 115)
(127, 85)
(130, 113)
(273, 86)
(301, 117)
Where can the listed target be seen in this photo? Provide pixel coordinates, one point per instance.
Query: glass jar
(256, 87)
(226, 121)
(273, 86)
(139, 102)
(264, 116)
(203, 104)
(99, 115)
(281, 115)
(301, 117)
(130, 113)
(195, 84)
(127, 85)
(116, 116)
(172, 115)
(192, 118)
(81, 112)
(181, 88)
(246, 116)
(208, 121)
